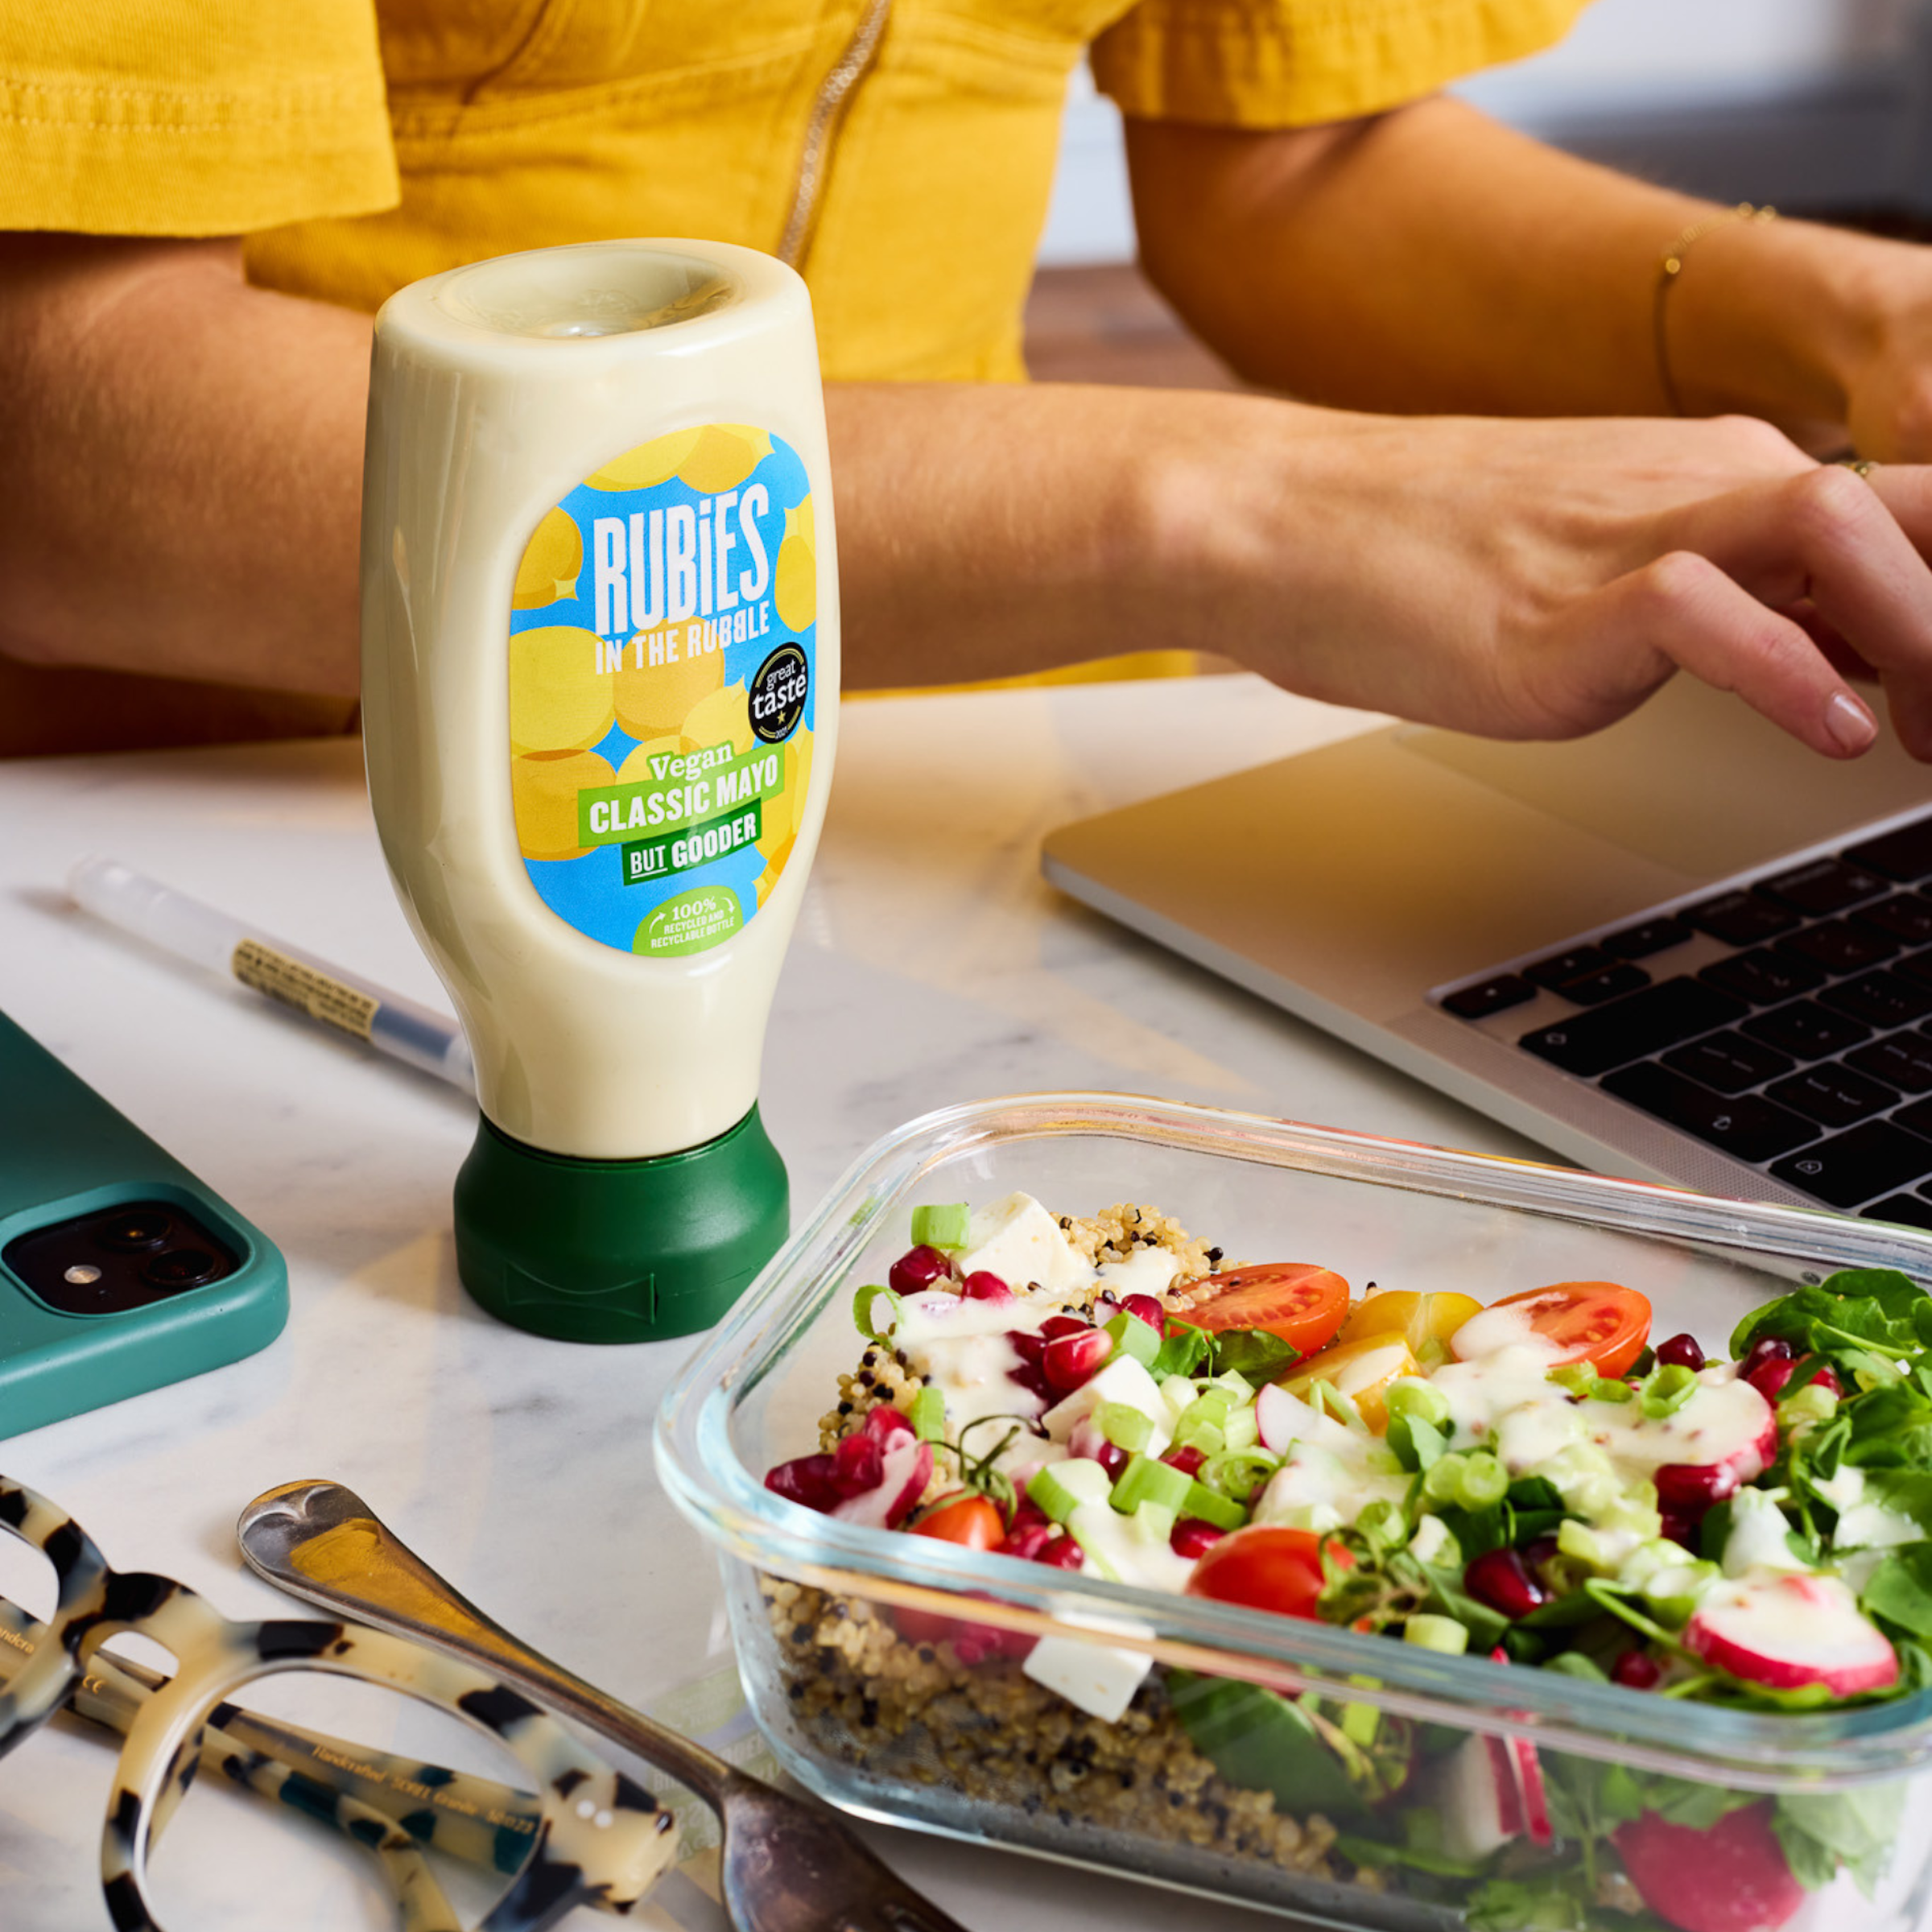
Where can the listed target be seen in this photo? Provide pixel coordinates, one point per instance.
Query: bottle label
(662, 676)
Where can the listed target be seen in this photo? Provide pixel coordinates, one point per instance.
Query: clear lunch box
(893, 1730)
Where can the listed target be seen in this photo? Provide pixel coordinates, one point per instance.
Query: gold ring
(1857, 467)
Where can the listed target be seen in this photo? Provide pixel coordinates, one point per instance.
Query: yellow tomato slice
(1361, 1369)
(1425, 1322)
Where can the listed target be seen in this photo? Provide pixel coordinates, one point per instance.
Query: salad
(1743, 1520)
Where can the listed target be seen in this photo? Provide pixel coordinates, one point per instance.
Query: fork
(789, 1864)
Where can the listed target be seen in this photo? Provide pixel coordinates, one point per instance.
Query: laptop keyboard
(1787, 1022)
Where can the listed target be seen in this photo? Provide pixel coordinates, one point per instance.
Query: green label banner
(675, 852)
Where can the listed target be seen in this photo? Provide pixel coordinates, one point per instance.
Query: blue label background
(588, 892)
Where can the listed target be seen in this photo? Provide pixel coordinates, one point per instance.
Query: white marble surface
(930, 965)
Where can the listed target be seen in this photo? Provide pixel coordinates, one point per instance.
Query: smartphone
(120, 1271)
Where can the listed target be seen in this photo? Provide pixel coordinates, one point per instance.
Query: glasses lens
(302, 1776)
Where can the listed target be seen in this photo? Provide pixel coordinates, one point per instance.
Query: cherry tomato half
(1267, 1567)
(1596, 1321)
(1301, 1302)
(968, 1518)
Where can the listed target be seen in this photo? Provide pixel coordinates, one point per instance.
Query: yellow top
(900, 152)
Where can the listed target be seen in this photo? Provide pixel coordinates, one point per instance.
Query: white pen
(409, 1032)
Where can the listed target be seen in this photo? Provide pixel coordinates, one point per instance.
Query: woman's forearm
(184, 466)
(1430, 259)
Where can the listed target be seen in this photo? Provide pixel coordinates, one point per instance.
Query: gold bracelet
(1672, 265)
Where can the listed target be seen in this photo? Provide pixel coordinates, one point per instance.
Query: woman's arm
(183, 465)
(1429, 259)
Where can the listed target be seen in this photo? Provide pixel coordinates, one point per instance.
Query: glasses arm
(473, 1820)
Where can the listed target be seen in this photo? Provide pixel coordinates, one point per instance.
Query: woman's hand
(1542, 579)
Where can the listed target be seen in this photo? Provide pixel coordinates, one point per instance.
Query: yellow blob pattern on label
(552, 565)
(654, 701)
(543, 788)
(558, 700)
(649, 464)
(797, 574)
(725, 454)
(724, 717)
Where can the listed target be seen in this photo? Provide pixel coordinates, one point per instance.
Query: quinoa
(1116, 1232)
(861, 1694)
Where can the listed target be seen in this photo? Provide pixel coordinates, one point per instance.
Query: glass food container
(1208, 1779)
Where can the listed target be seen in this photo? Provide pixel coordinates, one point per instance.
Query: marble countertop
(930, 964)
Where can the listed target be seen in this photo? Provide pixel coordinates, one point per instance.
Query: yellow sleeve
(1294, 62)
(192, 117)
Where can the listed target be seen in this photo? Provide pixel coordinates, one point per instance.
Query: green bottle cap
(617, 1251)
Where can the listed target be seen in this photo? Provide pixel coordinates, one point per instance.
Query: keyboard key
(1493, 995)
(1570, 965)
(1806, 1030)
(1834, 1095)
(1753, 1129)
(1882, 999)
(1826, 885)
(1918, 964)
(1741, 918)
(1652, 935)
(1593, 1042)
(1874, 1159)
(1905, 854)
(1765, 975)
(1905, 915)
(1918, 1116)
(1904, 1060)
(1905, 1208)
(1839, 947)
(1616, 979)
(1729, 1063)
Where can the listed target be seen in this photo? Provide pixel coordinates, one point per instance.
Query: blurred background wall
(1810, 105)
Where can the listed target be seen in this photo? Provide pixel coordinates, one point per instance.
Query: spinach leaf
(1250, 1352)
(1856, 1828)
(1899, 1590)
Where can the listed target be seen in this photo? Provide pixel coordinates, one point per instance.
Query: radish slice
(1283, 1419)
(1478, 1799)
(905, 1468)
(1730, 1878)
(1783, 1632)
(1536, 1804)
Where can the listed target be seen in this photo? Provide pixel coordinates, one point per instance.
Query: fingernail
(1852, 727)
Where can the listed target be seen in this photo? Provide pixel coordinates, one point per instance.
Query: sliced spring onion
(1238, 1472)
(941, 1227)
(1146, 1480)
(1666, 1389)
(1420, 1400)
(1061, 1487)
(1207, 1437)
(927, 1415)
(1124, 1425)
(1443, 1633)
(862, 1305)
(1580, 1378)
(1211, 1507)
(1134, 1336)
(1481, 1480)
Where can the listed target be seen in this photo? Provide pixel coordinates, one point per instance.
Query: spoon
(789, 1864)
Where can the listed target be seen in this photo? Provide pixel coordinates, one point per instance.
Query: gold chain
(1672, 265)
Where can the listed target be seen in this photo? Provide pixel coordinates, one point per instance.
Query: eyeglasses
(586, 1834)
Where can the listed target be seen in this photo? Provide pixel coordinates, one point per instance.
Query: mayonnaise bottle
(600, 678)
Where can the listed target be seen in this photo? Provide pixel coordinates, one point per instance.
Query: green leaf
(1899, 1590)
(1181, 1352)
(1252, 1353)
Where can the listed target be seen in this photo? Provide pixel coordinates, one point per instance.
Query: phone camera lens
(183, 1267)
(137, 1231)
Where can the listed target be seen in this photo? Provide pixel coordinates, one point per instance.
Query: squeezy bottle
(599, 676)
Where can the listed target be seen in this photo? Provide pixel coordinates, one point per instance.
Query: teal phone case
(64, 1152)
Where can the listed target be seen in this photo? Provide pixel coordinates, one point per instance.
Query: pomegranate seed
(1500, 1578)
(1112, 1458)
(1063, 1553)
(859, 1463)
(1057, 1325)
(1690, 1489)
(1767, 1348)
(1033, 1380)
(1681, 1352)
(1028, 1540)
(1188, 1461)
(1542, 1550)
(1770, 1381)
(809, 1479)
(1026, 1511)
(1826, 1379)
(1073, 1361)
(1682, 1528)
(1636, 1670)
(1026, 1345)
(1193, 1537)
(982, 1285)
(1144, 1307)
(918, 1269)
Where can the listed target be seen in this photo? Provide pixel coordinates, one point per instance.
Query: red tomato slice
(1597, 1322)
(1266, 1567)
(970, 1519)
(1302, 1303)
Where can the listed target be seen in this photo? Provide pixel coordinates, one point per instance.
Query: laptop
(1685, 948)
